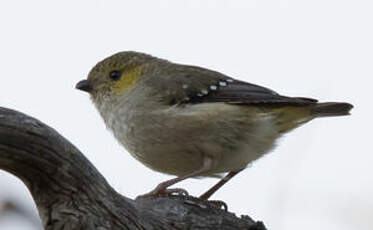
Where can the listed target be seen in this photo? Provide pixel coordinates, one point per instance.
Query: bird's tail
(329, 109)
(290, 117)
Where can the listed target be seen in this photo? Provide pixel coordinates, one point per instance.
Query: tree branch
(71, 194)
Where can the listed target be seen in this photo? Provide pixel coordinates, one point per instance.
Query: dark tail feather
(331, 109)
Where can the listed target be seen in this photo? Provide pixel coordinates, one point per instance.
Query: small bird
(190, 121)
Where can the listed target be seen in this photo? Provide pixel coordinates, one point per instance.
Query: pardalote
(190, 121)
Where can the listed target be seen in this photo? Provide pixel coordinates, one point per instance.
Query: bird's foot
(202, 203)
(164, 193)
(218, 204)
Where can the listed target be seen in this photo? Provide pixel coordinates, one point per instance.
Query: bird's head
(114, 76)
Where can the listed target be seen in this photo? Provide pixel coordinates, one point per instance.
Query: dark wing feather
(190, 85)
(238, 92)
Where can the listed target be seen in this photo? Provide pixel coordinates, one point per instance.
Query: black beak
(84, 85)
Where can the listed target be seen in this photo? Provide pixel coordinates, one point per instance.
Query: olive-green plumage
(190, 121)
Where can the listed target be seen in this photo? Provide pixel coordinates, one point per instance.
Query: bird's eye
(115, 75)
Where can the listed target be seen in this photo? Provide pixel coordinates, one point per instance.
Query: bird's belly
(179, 144)
(176, 159)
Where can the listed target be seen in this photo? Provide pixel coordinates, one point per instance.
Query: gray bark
(71, 194)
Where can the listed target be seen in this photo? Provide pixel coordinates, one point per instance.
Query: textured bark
(71, 194)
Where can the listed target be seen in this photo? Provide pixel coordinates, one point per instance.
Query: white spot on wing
(222, 83)
(204, 91)
(213, 87)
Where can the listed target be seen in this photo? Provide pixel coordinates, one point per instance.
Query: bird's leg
(218, 185)
(161, 188)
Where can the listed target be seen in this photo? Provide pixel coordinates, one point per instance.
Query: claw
(175, 192)
(218, 204)
(165, 192)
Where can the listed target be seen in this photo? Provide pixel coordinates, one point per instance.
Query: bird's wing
(239, 92)
(191, 85)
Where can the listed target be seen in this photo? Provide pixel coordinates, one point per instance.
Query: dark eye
(115, 75)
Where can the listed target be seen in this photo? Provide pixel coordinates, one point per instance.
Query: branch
(71, 194)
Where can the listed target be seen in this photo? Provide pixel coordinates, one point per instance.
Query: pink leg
(162, 187)
(218, 185)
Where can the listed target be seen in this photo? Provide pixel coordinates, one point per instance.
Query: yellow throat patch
(127, 80)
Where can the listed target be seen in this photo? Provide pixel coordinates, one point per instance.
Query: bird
(190, 121)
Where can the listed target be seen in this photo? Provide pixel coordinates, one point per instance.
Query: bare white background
(320, 176)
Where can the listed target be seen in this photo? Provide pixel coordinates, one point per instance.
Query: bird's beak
(84, 85)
